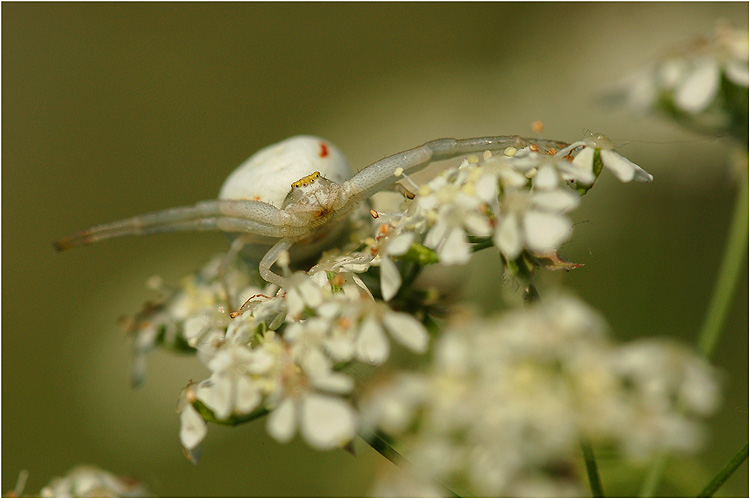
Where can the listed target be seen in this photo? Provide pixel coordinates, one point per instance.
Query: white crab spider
(317, 192)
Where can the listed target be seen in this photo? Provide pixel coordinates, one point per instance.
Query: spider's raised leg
(381, 174)
(270, 258)
(249, 217)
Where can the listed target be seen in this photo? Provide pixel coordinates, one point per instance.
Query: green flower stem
(734, 463)
(731, 266)
(592, 469)
(480, 244)
(735, 255)
(653, 476)
(382, 447)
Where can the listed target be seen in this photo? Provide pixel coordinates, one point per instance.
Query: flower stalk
(734, 463)
(732, 263)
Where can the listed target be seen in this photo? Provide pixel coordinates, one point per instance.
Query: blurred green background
(110, 110)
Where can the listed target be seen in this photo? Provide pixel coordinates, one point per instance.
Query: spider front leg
(382, 174)
(241, 216)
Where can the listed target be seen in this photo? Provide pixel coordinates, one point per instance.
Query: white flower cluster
(518, 199)
(90, 481)
(506, 402)
(180, 317)
(692, 80)
(285, 353)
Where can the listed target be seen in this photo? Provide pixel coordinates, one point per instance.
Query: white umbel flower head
(510, 397)
(90, 481)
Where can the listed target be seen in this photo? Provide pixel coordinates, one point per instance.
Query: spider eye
(311, 189)
(305, 181)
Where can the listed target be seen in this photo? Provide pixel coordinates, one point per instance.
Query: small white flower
(549, 172)
(231, 387)
(302, 292)
(533, 220)
(326, 422)
(691, 81)
(305, 393)
(390, 277)
(624, 169)
(193, 428)
(699, 87)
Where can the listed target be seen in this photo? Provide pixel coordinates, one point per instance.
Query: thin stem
(592, 469)
(729, 273)
(734, 463)
(385, 449)
(732, 264)
(653, 476)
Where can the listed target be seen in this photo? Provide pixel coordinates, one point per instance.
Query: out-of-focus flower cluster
(286, 351)
(703, 85)
(90, 481)
(507, 401)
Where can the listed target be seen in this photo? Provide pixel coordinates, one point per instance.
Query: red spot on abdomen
(323, 150)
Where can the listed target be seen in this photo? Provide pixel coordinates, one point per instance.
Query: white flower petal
(248, 395)
(310, 293)
(623, 168)
(334, 382)
(455, 250)
(400, 244)
(192, 329)
(699, 88)
(340, 348)
(672, 71)
(406, 330)
(477, 224)
(486, 188)
(262, 361)
(512, 178)
(737, 72)
(545, 231)
(192, 427)
(585, 160)
(361, 284)
(572, 171)
(217, 396)
(390, 278)
(546, 177)
(294, 302)
(372, 345)
(327, 422)
(282, 421)
(558, 200)
(315, 362)
(508, 237)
